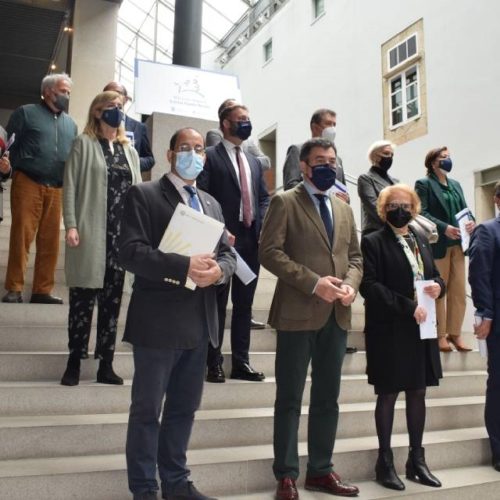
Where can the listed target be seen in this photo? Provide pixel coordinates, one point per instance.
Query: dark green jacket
(43, 142)
(434, 208)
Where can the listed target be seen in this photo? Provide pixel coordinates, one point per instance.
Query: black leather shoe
(106, 375)
(45, 298)
(256, 325)
(385, 472)
(351, 350)
(12, 297)
(246, 372)
(146, 495)
(71, 376)
(495, 462)
(216, 375)
(417, 470)
(186, 492)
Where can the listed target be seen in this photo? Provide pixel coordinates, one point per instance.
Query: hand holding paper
(425, 301)
(464, 219)
(204, 270)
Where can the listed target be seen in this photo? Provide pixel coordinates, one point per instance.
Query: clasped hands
(432, 291)
(204, 270)
(330, 288)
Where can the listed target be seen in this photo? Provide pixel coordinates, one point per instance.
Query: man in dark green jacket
(44, 134)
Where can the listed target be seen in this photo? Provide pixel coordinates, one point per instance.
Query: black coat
(163, 314)
(397, 359)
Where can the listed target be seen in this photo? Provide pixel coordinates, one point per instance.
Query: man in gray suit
(168, 325)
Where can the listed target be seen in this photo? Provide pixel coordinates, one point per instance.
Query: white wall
(335, 62)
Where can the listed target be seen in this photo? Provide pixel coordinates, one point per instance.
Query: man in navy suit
(235, 180)
(484, 279)
(137, 133)
(168, 325)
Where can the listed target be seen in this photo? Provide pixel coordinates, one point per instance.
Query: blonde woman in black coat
(397, 359)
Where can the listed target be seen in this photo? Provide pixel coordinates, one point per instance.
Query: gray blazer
(292, 174)
(369, 187)
(163, 314)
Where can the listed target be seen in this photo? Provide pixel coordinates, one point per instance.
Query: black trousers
(81, 310)
(492, 408)
(242, 298)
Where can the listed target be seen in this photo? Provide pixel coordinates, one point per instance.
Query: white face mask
(329, 134)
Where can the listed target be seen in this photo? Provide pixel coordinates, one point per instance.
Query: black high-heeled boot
(385, 471)
(71, 375)
(106, 375)
(417, 470)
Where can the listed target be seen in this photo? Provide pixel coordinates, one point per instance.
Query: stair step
(460, 483)
(56, 435)
(50, 398)
(227, 471)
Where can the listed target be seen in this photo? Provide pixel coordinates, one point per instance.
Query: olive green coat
(85, 191)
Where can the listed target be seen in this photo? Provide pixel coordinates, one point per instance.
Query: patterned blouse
(119, 181)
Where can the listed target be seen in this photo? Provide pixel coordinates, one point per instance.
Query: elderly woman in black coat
(395, 257)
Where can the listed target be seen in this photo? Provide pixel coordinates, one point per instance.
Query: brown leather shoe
(331, 483)
(287, 489)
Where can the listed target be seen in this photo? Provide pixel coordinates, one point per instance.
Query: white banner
(181, 90)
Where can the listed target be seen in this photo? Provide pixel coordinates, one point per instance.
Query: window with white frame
(404, 101)
(403, 51)
(268, 50)
(318, 8)
(405, 85)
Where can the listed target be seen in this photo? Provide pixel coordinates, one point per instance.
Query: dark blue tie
(325, 215)
(193, 199)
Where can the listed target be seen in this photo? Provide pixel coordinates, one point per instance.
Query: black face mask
(398, 217)
(385, 162)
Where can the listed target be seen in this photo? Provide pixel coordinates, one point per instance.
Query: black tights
(415, 417)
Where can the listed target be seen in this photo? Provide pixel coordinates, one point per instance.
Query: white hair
(50, 81)
(376, 147)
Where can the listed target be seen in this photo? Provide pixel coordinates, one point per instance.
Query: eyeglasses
(185, 148)
(322, 164)
(395, 206)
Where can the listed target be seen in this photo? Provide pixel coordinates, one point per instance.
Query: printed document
(428, 328)
(463, 217)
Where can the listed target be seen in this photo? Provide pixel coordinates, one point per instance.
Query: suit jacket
(294, 246)
(396, 357)
(162, 312)
(292, 174)
(219, 179)
(434, 208)
(369, 187)
(141, 142)
(484, 270)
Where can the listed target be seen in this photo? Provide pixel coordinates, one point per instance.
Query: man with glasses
(235, 180)
(137, 133)
(168, 325)
(309, 242)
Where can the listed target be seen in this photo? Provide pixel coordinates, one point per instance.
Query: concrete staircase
(68, 442)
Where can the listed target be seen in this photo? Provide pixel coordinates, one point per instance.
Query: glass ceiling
(136, 31)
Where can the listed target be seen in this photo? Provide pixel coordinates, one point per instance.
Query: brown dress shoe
(287, 490)
(331, 483)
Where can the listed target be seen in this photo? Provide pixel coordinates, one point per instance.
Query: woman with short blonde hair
(380, 156)
(394, 259)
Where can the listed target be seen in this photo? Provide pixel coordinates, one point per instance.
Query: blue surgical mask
(243, 129)
(445, 165)
(188, 164)
(113, 117)
(323, 177)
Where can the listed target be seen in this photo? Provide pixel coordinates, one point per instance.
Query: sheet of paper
(481, 343)
(244, 273)
(338, 187)
(463, 217)
(428, 328)
(191, 233)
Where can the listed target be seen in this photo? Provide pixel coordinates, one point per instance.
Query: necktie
(193, 199)
(325, 216)
(245, 193)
